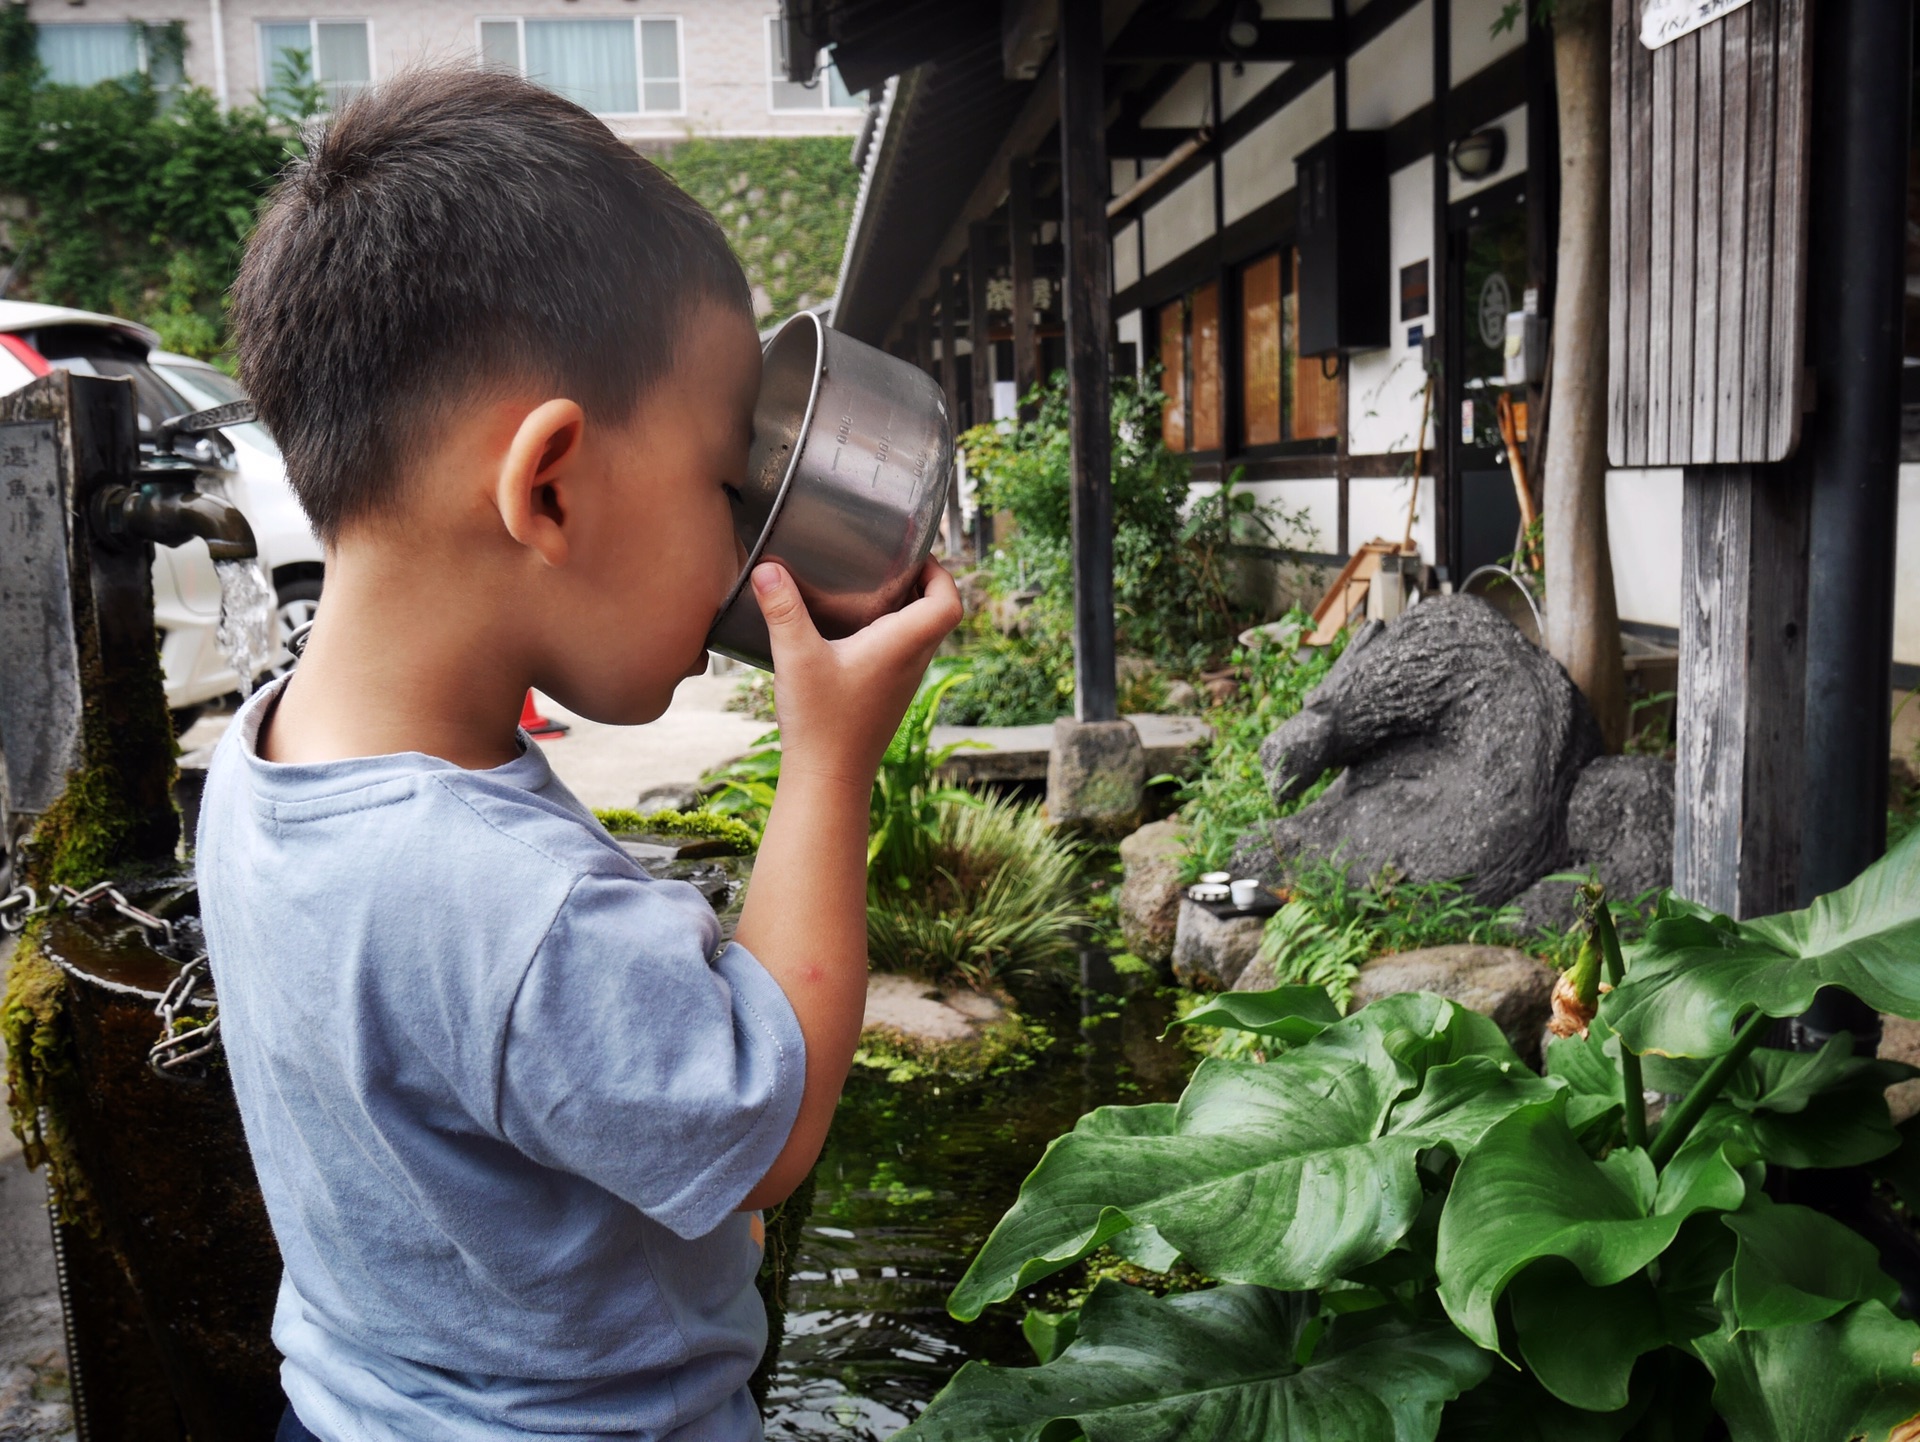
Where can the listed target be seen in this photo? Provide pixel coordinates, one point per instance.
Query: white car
(37, 338)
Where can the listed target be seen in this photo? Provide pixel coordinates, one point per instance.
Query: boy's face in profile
(651, 547)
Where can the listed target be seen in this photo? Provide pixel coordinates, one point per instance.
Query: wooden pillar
(1738, 779)
(1083, 215)
(950, 383)
(1026, 356)
(1443, 305)
(979, 260)
(923, 336)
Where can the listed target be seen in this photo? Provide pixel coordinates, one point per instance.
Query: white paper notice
(1665, 21)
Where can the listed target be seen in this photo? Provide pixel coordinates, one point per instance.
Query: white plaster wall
(1299, 9)
(1514, 123)
(1377, 510)
(723, 50)
(1186, 104)
(1127, 332)
(1236, 89)
(1393, 76)
(1474, 45)
(1261, 166)
(1122, 173)
(1315, 503)
(1643, 533)
(1181, 221)
(1126, 256)
(1384, 386)
(1906, 571)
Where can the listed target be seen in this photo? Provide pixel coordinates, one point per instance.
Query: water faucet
(166, 507)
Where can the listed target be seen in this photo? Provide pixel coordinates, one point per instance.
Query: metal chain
(186, 1044)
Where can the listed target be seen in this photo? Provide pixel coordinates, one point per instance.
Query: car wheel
(299, 600)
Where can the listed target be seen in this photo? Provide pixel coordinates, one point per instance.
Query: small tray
(1264, 904)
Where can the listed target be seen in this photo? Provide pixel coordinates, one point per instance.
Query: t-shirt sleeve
(639, 1059)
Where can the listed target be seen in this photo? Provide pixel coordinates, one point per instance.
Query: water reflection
(914, 1176)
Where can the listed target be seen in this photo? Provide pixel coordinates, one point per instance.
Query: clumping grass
(1002, 898)
(1228, 797)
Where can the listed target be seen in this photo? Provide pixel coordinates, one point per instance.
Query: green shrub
(1228, 797)
(1002, 896)
(1418, 1238)
(785, 203)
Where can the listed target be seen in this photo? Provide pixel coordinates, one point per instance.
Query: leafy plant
(1002, 896)
(1228, 797)
(908, 798)
(1415, 1237)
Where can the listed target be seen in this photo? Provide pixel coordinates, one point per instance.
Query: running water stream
(245, 632)
(914, 1175)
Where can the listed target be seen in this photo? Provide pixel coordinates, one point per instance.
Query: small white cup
(1244, 891)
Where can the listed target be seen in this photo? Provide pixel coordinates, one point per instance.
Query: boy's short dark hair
(450, 232)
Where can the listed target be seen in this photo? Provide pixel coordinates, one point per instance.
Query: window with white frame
(86, 54)
(623, 66)
(827, 90)
(335, 54)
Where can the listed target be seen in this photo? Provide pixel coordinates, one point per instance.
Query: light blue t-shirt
(504, 1093)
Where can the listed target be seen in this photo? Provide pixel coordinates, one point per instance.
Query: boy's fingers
(922, 623)
(788, 624)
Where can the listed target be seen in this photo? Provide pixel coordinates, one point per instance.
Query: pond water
(913, 1177)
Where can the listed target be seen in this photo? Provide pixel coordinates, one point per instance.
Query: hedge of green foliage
(786, 204)
(136, 200)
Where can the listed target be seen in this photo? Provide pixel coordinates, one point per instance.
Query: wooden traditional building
(1311, 209)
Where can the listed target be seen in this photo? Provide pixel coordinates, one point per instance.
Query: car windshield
(205, 386)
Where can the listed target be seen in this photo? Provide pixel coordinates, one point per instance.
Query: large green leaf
(1235, 1363)
(1582, 1341)
(1511, 1406)
(1696, 975)
(1797, 1109)
(1793, 1265)
(1852, 1375)
(1289, 1014)
(1528, 1191)
(1288, 1174)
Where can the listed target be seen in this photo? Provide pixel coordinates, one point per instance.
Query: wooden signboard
(1709, 237)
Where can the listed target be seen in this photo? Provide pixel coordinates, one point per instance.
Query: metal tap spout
(168, 511)
(166, 507)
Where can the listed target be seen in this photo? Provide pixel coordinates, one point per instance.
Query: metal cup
(845, 485)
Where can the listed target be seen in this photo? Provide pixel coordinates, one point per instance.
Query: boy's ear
(536, 475)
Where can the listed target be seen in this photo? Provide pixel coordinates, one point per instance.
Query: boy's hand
(839, 702)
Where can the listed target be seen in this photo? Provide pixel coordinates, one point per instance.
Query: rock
(1461, 743)
(1900, 1041)
(1220, 689)
(676, 796)
(1259, 976)
(1210, 954)
(926, 1014)
(1096, 777)
(1181, 696)
(1619, 828)
(1499, 982)
(1149, 902)
(1009, 613)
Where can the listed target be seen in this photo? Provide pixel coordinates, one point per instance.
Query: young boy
(511, 1102)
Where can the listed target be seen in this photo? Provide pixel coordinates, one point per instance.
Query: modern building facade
(657, 72)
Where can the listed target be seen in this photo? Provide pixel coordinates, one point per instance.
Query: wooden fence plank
(1757, 329)
(1625, 23)
(1790, 211)
(1733, 229)
(1658, 183)
(1686, 221)
(1640, 251)
(1706, 255)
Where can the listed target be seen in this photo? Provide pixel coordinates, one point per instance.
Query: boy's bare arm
(805, 920)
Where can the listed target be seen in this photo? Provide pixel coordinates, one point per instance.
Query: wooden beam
(979, 241)
(1084, 180)
(1740, 713)
(1026, 346)
(1201, 42)
(950, 383)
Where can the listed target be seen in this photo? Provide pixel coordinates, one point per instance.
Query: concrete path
(611, 765)
(33, 1353)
